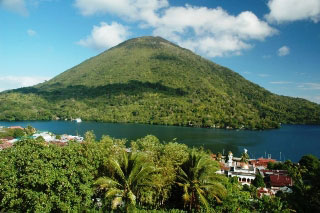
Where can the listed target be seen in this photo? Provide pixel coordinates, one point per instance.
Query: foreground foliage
(150, 80)
(199, 181)
(36, 177)
(147, 176)
(127, 175)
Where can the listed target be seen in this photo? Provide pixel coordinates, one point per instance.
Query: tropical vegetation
(16, 132)
(144, 175)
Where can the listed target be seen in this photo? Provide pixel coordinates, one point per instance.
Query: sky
(273, 43)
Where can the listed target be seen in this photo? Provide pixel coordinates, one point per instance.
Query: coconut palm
(128, 174)
(199, 181)
(244, 157)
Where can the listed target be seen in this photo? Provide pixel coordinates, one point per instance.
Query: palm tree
(244, 157)
(199, 181)
(127, 175)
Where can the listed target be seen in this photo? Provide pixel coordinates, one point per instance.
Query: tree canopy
(147, 176)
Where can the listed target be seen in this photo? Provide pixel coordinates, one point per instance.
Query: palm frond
(106, 182)
(114, 192)
(116, 166)
(182, 175)
(198, 179)
(203, 200)
(125, 160)
(143, 174)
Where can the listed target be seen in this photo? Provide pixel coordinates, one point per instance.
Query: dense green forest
(150, 80)
(147, 176)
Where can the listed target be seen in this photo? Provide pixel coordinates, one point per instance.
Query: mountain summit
(151, 80)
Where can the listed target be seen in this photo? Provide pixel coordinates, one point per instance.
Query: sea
(290, 142)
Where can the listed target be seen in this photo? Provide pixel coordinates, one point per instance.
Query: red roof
(262, 161)
(8, 138)
(213, 156)
(5, 145)
(16, 127)
(264, 191)
(223, 167)
(280, 180)
(266, 160)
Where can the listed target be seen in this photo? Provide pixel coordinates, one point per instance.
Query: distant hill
(151, 80)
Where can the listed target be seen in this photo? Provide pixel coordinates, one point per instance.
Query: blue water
(293, 141)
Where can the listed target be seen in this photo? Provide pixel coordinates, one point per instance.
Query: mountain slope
(150, 80)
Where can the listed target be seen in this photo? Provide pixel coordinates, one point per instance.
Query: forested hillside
(150, 80)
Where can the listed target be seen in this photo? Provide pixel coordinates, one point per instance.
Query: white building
(244, 172)
(47, 136)
(66, 138)
(230, 160)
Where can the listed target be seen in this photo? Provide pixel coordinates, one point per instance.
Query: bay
(293, 141)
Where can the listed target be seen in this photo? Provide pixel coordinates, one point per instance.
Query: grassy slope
(150, 80)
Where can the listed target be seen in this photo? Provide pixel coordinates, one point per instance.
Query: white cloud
(293, 10)
(263, 75)
(130, 9)
(213, 46)
(105, 36)
(313, 98)
(283, 51)
(309, 86)
(316, 99)
(209, 32)
(214, 21)
(18, 6)
(31, 32)
(280, 82)
(13, 82)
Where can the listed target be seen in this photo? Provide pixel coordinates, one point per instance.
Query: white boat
(78, 120)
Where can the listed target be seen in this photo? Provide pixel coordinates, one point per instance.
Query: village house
(47, 136)
(9, 139)
(66, 138)
(267, 172)
(261, 163)
(234, 168)
(16, 127)
(277, 180)
(5, 145)
(246, 172)
(262, 191)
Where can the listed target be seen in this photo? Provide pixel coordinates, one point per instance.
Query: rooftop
(280, 180)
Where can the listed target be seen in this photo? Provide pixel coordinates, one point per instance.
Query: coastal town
(12, 134)
(244, 169)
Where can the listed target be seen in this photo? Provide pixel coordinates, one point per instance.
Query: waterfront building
(234, 168)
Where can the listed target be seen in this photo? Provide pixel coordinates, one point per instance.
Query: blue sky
(274, 43)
